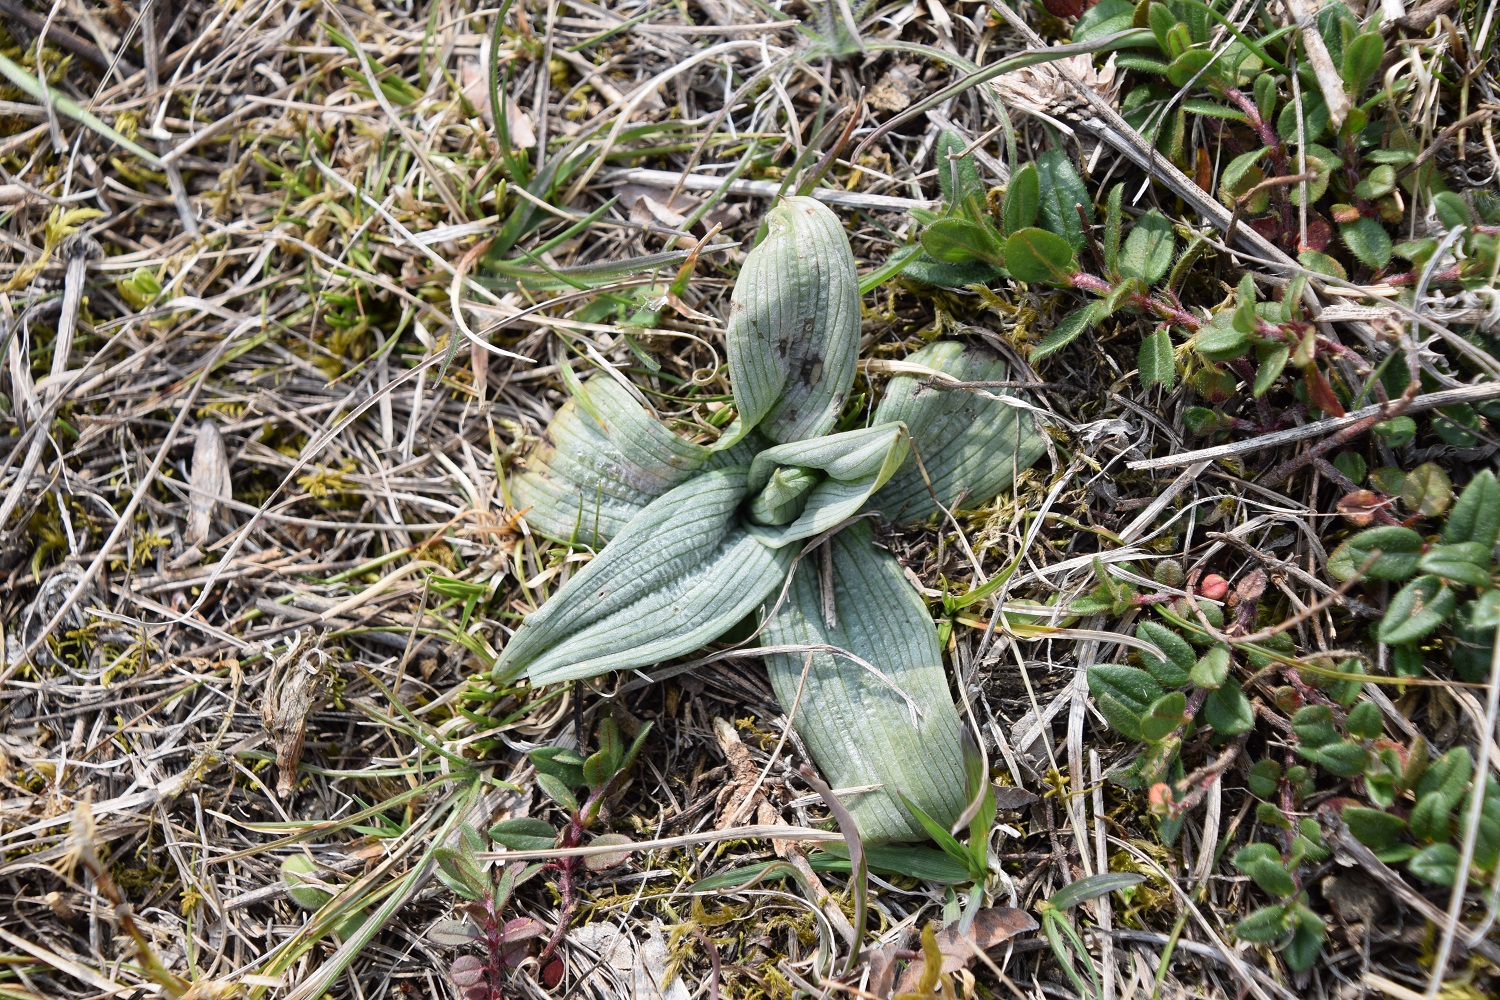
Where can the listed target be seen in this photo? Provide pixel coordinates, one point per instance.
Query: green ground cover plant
(749, 499)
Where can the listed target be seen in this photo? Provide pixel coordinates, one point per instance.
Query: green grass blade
(18, 76)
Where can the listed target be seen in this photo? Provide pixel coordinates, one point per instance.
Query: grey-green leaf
(1092, 887)
(897, 730)
(971, 446)
(793, 336)
(25, 81)
(601, 460)
(679, 575)
(846, 470)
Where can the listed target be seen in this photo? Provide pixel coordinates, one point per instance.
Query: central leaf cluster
(696, 538)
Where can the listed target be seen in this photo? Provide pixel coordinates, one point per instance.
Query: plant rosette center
(769, 522)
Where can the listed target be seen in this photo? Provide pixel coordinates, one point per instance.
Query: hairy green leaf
(1155, 360)
(1374, 828)
(1396, 550)
(1175, 669)
(1475, 516)
(1367, 239)
(1063, 195)
(1307, 939)
(1461, 562)
(1264, 866)
(1148, 249)
(1037, 255)
(1228, 710)
(1263, 925)
(1124, 695)
(1113, 213)
(924, 268)
(1163, 717)
(1361, 59)
(959, 241)
(1212, 668)
(1417, 609)
(523, 834)
(1220, 339)
(1068, 329)
(1435, 863)
(1023, 199)
(1272, 360)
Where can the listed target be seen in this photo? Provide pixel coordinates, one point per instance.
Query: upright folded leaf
(832, 476)
(971, 446)
(600, 461)
(793, 334)
(679, 575)
(858, 725)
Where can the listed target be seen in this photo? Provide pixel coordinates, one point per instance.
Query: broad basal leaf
(793, 337)
(896, 730)
(600, 461)
(679, 575)
(971, 446)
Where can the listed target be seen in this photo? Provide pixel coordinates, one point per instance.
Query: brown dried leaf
(991, 928)
(602, 862)
(1359, 508)
(897, 88)
(730, 802)
(294, 685)
(1321, 393)
(208, 481)
(1250, 587)
(1009, 798)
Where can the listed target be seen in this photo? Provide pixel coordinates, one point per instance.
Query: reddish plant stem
(1287, 469)
(1148, 303)
(1267, 135)
(1200, 781)
(494, 944)
(565, 867)
(1412, 277)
